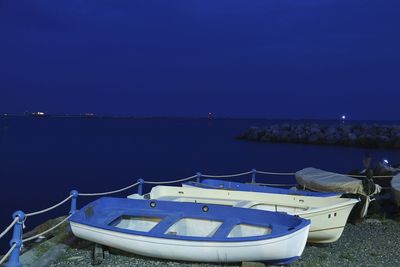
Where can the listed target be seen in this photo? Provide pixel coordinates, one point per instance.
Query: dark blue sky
(270, 58)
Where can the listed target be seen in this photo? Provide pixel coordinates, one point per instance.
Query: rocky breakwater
(362, 135)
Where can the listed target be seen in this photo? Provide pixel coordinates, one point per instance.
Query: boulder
(340, 134)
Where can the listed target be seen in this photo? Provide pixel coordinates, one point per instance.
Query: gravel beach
(372, 242)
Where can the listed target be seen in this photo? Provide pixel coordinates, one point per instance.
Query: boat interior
(292, 204)
(189, 227)
(185, 220)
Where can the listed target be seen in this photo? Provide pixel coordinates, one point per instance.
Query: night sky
(271, 58)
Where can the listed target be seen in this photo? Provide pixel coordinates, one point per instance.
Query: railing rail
(8, 253)
(173, 181)
(227, 175)
(19, 217)
(49, 208)
(47, 231)
(109, 192)
(8, 228)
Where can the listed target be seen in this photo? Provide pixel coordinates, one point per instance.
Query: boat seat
(166, 223)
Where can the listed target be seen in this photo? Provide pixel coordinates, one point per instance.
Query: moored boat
(324, 181)
(191, 231)
(328, 215)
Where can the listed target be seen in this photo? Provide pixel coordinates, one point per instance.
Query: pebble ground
(370, 243)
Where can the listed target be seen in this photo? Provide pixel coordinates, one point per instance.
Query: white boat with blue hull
(192, 231)
(328, 215)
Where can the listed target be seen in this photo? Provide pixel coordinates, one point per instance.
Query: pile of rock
(364, 135)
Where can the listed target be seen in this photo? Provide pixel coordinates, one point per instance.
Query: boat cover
(320, 180)
(396, 188)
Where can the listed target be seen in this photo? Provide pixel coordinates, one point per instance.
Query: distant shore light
(343, 117)
(386, 161)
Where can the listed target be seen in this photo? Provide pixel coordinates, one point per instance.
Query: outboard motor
(368, 183)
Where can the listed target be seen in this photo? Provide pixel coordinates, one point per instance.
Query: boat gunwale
(258, 188)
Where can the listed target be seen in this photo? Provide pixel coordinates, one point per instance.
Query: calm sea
(42, 159)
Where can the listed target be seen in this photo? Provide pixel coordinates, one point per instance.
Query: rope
(351, 175)
(48, 230)
(171, 182)
(7, 254)
(110, 192)
(227, 175)
(9, 227)
(276, 173)
(363, 176)
(48, 209)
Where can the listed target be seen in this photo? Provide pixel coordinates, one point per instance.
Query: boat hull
(327, 223)
(191, 231)
(327, 226)
(278, 250)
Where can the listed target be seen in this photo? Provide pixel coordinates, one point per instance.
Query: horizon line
(93, 115)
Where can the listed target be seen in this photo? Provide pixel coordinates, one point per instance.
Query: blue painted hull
(100, 216)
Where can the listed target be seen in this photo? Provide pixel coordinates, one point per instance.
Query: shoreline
(288, 120)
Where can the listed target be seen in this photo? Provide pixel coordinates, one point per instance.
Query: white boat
(395, 183)
(324, 181)
(192, 232)
(328, 215)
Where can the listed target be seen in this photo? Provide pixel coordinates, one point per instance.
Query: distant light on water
(343, 117)
(385, 161)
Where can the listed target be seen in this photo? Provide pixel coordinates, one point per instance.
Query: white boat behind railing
(324, 181)
(328, 215)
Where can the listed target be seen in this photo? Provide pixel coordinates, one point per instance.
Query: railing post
(74, 198)
(17, 240)
(140, 186)
(198, 178)
(253, 176)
